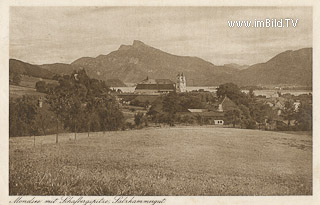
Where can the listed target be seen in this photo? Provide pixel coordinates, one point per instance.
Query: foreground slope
(167, 161)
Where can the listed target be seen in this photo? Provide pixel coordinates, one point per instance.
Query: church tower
(181, 85)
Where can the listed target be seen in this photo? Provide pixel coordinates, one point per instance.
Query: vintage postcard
(137, 102)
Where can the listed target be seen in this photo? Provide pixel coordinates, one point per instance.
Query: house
(212, 118)
(152, 86)
(276, 103)
(223, 105)
(215, 114)
(296, 105)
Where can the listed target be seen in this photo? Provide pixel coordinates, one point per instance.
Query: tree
(67, 98)
(251, 93)
(261, 112)
(233, 92)
(41, 87)
(170, 106)
(233, 117)
(44, 120)
(22, 116)
(289, 112)
(304, 116)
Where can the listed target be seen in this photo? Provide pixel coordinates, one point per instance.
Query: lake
(266, 93)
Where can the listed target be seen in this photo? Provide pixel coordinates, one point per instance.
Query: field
(29, 81)
(27, 87)
(163, 161)
(19, 91)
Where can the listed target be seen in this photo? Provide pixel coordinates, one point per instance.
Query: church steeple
(181, 83)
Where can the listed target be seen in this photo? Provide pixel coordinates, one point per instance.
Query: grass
(166, 161)
(18, 91)
(29, 81)
(27, 87)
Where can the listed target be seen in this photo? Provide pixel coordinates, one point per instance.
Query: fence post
(57, 132)
(75, 132)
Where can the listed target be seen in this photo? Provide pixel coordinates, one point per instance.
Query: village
(210, 109)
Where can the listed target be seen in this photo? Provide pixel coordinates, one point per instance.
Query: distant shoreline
(264, 92)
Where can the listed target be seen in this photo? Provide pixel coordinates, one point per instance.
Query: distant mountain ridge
(22, 68)
(48, 71)
(133, 63)
(289, 67)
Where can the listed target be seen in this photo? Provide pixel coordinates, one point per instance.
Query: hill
(22, 68)
(59, 68)
(289, 67)
(48, 71)
(67, 69)
(132, 63)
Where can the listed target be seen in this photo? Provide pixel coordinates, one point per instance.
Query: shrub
(138, 119)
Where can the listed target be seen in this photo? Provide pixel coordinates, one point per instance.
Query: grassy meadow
(27, 87)
(163, 161)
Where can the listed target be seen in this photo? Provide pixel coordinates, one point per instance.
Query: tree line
(79, 103)
(82, 104)
(249, 113)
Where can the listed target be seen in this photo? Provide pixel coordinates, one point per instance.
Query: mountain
(133, 63)
(22, 68)
(289, 67)
(236, 66)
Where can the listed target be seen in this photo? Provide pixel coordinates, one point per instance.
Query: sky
(41, 35)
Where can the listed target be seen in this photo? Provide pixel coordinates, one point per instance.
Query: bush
(138, 119)
(129, 125)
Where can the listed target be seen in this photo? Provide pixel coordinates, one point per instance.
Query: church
(158, 86)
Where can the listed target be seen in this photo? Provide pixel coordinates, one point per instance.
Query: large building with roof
(156, 86)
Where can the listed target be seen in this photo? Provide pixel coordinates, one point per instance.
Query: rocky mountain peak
(137, 44)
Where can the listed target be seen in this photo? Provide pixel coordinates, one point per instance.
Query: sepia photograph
(160, 101)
